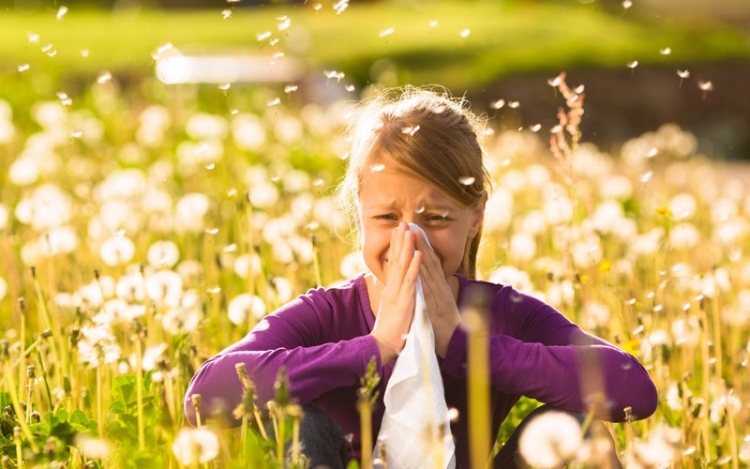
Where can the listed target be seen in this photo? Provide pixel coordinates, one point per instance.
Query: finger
(397, 239)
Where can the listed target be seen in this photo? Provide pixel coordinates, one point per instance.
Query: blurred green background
(627, 55)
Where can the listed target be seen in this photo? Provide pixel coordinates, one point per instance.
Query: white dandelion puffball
(163, 254)
(244, 305)
(522, 247)
(550, 439)
(195, 446)
(117, 250)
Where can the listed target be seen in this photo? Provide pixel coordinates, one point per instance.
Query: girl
(416, 157)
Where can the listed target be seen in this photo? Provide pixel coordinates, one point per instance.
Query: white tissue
(415, 427)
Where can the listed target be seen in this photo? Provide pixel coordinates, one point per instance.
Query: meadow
(143, 230)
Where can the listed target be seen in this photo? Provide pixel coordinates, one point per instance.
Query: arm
(537, 352)
(294, 337)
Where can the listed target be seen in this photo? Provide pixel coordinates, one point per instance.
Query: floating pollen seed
(317, 7)
(514, 104)
(683, 73)
(284, 22)
(340, 6)
(64, 99)
(579, 89)
(420, 209)
(334, 74)
(410, 130)
(263, 36)
(535, 127)
(274, 41)
(627, 4)
(290, 88)
(556, 129)
(76, 134)
(466, 180)
(33, 38)
(497, 104)
(225, 86)
(652, 152)
(273, 102)
(665, 51)
(433, 23)
(350, 88)
(278, 55)
(646, 176)
(226, 13)
(706, 85)
(377, 167)
(61, 12)
(386, 32)
(555, 82)
(213, 290)
(211, 231)
(104, 77)
(632, 65)
(23, 67)
(465, 33)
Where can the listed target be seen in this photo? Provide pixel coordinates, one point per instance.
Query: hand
(397, 300)
(439, 299)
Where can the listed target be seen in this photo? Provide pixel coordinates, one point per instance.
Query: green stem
(139, 392)
(20, 412)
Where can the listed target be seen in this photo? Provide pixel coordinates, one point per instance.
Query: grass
(504, 38)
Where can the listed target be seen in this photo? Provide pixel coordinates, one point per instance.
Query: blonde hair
(429, 134)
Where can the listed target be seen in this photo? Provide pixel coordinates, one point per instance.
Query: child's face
(390, 196)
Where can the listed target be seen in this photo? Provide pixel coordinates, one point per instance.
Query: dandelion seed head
(244, 306)
(92, 447)
(194, 446)
(683, 73)
(549, 439)
(163, 254)
(632, 64)
(117, 250)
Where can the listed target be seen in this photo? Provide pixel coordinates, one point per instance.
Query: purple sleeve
(295, 337)
(537, 352)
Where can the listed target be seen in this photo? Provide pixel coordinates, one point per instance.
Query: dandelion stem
(44, 378)
(99, 405)
(20, 412)
(139, 391)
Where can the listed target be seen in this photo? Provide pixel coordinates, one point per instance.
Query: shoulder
(346, 294)
(495, 295)
(513, 312)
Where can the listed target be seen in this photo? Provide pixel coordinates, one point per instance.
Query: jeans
(325, 447)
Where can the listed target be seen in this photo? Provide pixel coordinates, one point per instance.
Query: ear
(478, 215)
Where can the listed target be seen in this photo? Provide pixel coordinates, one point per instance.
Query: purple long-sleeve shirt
(322, 338)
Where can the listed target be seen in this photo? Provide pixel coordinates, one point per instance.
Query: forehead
(384, 185)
